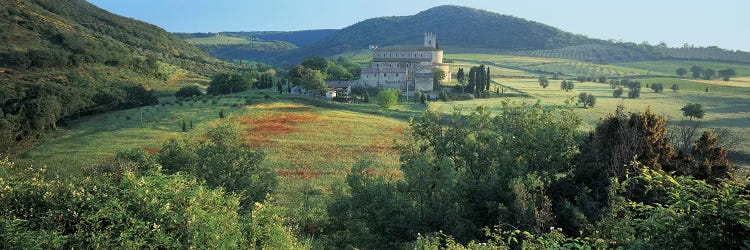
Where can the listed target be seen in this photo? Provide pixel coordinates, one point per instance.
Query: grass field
(219, 40)
(537, 65)
(310, 147)
(669, 67)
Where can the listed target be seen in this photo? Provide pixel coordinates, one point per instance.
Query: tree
(634, 93)
(587, 100)
(617, 93)
(567, 85)
(602, 79)
(461, 77)
(697, 71)
(657, 87)
(280, 87)
(726, 74)
(709, 74)
(366, 99)
(543, 81)
(438, 75)
(228, 84)
(681, 71)
(313, 80)
(693, 110)
(315, 63)
(188, 91)
(488, 79)
(675, 88)
(387, 98)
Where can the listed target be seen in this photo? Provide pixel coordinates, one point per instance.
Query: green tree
(438, 75)
(634, 93)
(617, 92)
(681, 71)
(693, 110)
(587, 100)
(387, 98)
(709, 74)
(313, 80)
(657, 87)
(543, 81)
(223, 160)
(567, 85)
(727, 74)
(228, 84)
(188, 91)
(697, 71)
(675, 88)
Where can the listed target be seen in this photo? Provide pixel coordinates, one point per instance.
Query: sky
(720, 23)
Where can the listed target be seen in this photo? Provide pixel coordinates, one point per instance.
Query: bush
(618, 92)
(188, 91)
(387, 98)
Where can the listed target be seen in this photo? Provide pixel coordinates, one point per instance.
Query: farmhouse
(405, 67)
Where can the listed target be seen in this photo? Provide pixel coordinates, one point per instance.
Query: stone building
(405, 66)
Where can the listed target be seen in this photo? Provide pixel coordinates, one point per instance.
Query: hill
(455, 26)
(60, 59)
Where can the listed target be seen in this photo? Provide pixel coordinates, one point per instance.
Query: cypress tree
(488, 79)
(184, 127)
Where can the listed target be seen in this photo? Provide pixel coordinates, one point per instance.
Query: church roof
(407, 48)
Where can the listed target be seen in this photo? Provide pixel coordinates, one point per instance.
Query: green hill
(456, 27)
(60, 59)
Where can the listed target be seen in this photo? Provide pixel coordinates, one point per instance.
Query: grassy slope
(670, 66)
(310, 147)
(218, 40)
(538, 65)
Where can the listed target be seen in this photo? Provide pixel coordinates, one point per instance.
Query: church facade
(405, 67)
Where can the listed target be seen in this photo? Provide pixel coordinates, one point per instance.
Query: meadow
(548, 66)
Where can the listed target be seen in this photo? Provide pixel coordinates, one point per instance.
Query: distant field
(726, 107)
(670, 66)
(218, 40)
(538, 65)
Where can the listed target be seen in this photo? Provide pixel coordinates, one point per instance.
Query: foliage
(617, 92)
(587, 100)
(129, 211)
(222, 160)
(567, 85)
(634, 93)
(543, 81)
(726, 74)
(693, 110)
(189, 91)
(681, 71)
(657, 87)
(228, 83)
(502, 160)
(313, 80)
(674, 88)
(387, 98)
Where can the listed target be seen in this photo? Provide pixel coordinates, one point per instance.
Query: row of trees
(478, 80)
(531, 180)
(707, 73)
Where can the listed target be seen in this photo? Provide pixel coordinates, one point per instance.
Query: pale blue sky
(719, 22)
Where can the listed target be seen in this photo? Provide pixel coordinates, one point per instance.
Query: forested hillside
(60, 59)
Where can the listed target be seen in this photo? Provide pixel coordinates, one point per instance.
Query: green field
(537, 65)
(218, 40)
(670, 66)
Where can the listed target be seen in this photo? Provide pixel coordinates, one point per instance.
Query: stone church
(405, 67)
